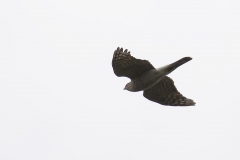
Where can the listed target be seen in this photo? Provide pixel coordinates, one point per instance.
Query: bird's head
(128, 87)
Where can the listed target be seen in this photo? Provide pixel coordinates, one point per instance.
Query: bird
(154, 82)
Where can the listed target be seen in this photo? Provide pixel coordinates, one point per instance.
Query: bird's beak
(124, 88)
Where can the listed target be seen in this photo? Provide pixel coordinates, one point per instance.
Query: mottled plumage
(156, 85)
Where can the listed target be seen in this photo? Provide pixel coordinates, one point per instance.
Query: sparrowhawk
(154, 83)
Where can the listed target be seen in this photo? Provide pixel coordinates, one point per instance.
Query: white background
(59, 97)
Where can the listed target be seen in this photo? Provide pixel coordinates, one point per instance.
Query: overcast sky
(59, 97)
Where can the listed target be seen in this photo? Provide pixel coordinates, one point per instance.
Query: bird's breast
(147, 80)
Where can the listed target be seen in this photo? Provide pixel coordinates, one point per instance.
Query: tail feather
(173, 66)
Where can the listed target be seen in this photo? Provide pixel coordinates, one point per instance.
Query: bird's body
(156, 85)
(145, 81)
(153, 76)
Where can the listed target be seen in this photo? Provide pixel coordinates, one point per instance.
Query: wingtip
(190, 102)
(120, 50)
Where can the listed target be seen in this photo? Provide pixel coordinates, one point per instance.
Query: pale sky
(59, 97)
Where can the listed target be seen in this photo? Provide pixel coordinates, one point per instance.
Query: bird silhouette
(154, 83)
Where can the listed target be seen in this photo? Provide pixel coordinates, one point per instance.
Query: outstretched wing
(165, 93)
(126, 65)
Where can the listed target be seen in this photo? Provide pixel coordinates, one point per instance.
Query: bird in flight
(154, 83)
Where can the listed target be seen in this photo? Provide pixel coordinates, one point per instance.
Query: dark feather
(165, 93)
(126, 65)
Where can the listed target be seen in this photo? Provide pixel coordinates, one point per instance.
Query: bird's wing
(165, 93)
(126, 65)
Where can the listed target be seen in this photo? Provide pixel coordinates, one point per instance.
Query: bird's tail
(178, 63)
(171, 67)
